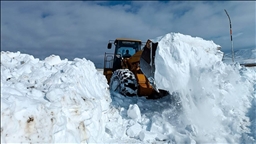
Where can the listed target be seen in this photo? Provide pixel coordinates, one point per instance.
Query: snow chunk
(192, 129)
(134, 130)
(53, 60)
(147, 136)
(134, 112)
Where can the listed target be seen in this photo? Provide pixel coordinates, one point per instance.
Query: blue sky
(82, 28)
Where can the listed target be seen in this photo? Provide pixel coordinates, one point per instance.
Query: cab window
(122, 51)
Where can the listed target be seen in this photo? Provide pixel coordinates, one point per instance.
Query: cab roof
(128, 39)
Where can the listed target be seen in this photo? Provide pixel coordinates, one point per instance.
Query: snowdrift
(57, 101)
(215, 97)
(51, 101)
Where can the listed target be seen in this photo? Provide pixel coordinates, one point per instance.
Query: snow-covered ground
(242, 56)
(56, 101)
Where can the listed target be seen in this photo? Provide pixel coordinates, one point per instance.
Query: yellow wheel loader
(130, 69)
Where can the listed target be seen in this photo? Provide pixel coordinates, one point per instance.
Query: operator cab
(124, 48)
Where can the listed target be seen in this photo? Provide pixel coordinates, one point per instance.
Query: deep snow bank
(52, 100)
(67, 101)
(178, 54)
(215, 97)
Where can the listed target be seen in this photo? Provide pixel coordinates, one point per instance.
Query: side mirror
(109, 45)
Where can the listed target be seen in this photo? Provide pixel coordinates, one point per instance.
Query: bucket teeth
(153, 84)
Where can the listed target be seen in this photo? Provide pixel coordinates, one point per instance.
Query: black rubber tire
(124, 82)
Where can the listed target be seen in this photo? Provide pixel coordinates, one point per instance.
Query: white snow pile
(217, 99)
(57, 101)
(52, 100)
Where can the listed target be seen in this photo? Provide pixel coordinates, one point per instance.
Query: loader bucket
(147, 62)
(147, 66)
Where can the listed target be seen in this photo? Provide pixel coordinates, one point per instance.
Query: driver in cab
(126, 55)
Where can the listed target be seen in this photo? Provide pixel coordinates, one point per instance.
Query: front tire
(124, 82)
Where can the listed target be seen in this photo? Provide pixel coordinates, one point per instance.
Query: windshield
(122, 51)
(125, 48)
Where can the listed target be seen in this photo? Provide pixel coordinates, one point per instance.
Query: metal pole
(232, 50)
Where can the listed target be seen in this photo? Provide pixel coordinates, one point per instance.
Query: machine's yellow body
(111, 63)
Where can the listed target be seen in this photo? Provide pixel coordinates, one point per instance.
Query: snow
(134, 112)
(52, 100)
(57, 101)
(243, 56)
(215, 97)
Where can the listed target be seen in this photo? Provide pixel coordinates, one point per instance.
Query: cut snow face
(51, 101)
(176, 57)
(214, 96)
(57, 101)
